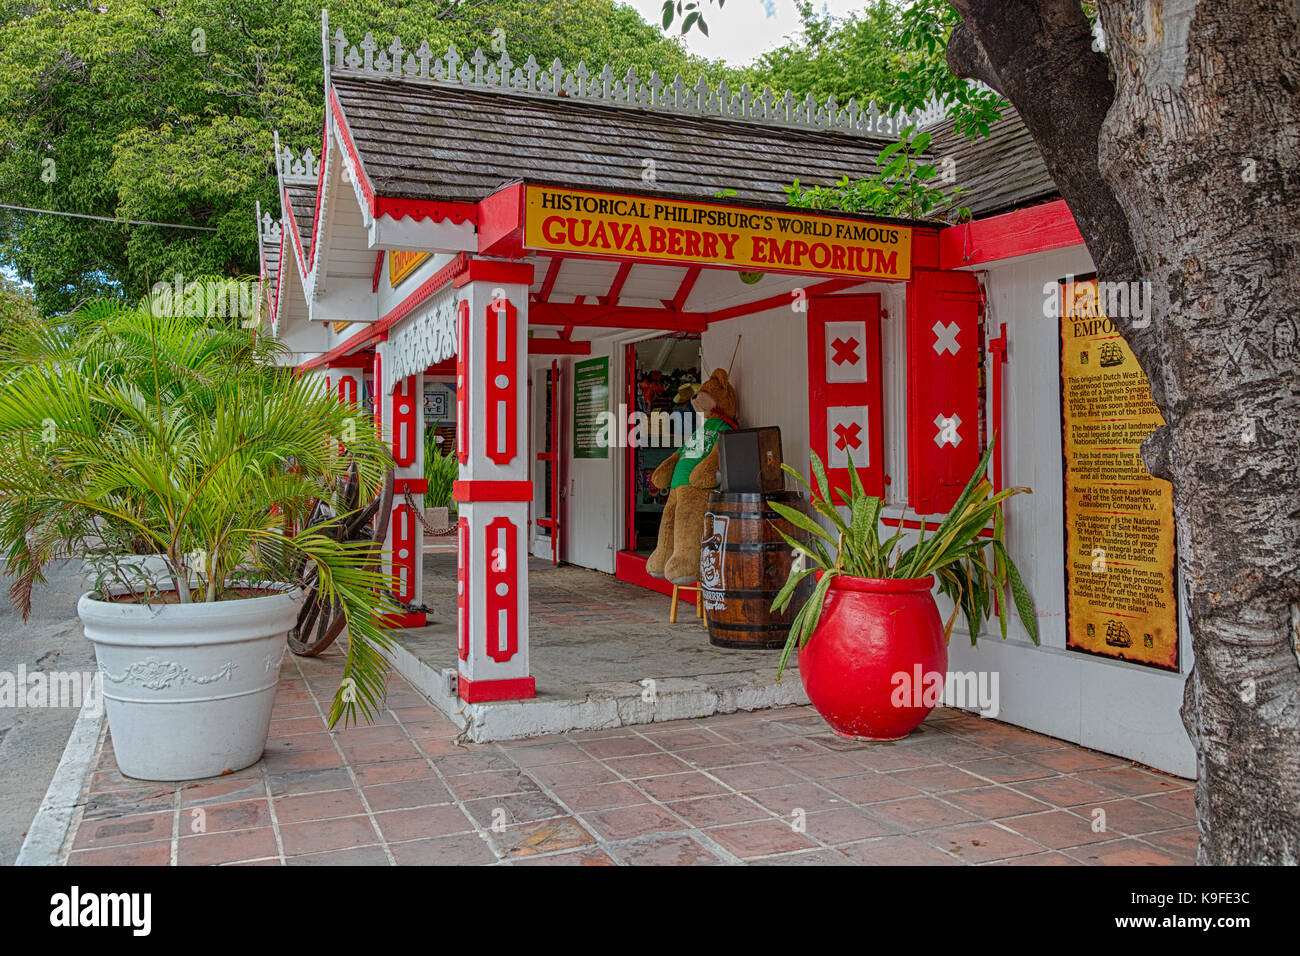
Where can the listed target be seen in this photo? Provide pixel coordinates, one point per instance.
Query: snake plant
(972, 567)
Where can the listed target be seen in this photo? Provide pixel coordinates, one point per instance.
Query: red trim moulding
(295, 238)
(630, 567)
(783, 299)
(320, 183)
(417, 209)
(404, 620)
(483, 691)
(1019, 233)
(616, 287)
(345, 133)
(378, 331)
(548, 283)
(684, 290)
(501, 223)
(482, 490)
(486, 270)
(279, 270)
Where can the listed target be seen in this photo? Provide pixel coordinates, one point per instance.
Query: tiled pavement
(770, 787)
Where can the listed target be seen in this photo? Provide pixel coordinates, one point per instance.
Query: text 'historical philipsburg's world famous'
(752, 239)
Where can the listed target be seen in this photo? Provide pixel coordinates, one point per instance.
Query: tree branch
(1040, 53)
(967, 59)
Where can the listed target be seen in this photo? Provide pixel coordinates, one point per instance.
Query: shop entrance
(663, 376)
(547, 473)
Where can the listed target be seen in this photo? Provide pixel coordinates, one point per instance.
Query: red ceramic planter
(871, 630)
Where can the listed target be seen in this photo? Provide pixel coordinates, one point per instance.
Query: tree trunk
(1200, 149)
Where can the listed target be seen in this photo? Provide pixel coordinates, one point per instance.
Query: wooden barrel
(743, 564)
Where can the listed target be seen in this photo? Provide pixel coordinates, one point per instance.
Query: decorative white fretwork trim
(302, 170)
(268, 229)
(478, 72)
(427, 337)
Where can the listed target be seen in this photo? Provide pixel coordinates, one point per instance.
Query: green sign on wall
(590, 399)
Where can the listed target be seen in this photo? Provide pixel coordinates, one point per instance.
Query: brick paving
(769, 787)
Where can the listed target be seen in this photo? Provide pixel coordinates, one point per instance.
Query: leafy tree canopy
(857, 56)
(163, 111)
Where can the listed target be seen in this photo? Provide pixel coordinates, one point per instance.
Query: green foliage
(17, 306)
(440, 470)
(163, 111)
(976, 572)
(123, 431)
(856, 56)
(925, 28)
(690, 12)
(901, 186)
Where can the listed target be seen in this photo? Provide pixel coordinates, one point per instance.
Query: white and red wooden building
(424, 239)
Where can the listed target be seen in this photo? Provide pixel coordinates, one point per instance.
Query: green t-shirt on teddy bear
(696, 448)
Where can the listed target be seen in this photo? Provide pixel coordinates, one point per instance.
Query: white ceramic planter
(188, 688)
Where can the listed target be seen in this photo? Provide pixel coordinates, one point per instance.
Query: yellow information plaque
(756, 240)
(1121, 598)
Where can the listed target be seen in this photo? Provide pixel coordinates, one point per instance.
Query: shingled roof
(999, 172)
(422, 141)
(302, 203)
(446, 142)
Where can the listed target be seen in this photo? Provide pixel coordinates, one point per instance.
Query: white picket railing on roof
(479, 72)
(268, 229)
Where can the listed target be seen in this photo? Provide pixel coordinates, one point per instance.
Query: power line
(130, 222)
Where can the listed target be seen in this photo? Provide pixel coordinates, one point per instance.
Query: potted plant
(871, 626)
(440, 471)
(126, 433)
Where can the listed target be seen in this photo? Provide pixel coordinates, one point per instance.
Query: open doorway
(664, 376)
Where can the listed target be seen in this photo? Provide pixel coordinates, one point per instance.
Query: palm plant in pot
(124, 432)
(871, 628)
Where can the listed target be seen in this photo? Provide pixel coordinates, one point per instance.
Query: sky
(743, 29)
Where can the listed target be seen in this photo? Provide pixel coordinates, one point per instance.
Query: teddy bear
(689, 476)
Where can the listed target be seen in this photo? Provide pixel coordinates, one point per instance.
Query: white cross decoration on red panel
(846, 351)
(846, 434)
(947, 433)
(946, 337)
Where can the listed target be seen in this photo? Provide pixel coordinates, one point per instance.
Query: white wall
(1120, 708)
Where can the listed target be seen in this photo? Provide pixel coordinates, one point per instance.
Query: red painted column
(493, 493)
(399, 414)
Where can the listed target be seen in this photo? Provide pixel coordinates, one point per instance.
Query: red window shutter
(844, 393)
(943, 439)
